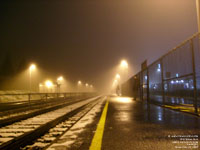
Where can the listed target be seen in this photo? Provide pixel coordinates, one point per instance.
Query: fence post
(64, 95)
(141, 76)
(148, 84)
(162, 78)
(46, 96)
(194, 76)
(57, 95)
(29, 99)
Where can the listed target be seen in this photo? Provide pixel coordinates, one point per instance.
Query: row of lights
(48, 83)
(185, 84)
(117, 78)
(123, 65)
(86, 84)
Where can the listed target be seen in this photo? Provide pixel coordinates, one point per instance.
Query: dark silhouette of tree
(7, 68)
(12, 65)
(23, 65)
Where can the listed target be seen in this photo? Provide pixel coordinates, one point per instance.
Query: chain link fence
(173, 79)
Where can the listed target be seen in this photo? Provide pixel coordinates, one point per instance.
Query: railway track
(17, 135)
(66, 128)
(11, 117)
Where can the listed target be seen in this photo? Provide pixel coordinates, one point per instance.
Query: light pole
(116, 87)
(49, 85)
(31, 69)
(41, 90)
(59, 82)
(86, 85)
(117, 78)
(124, 67)
(91, 88)
(198, 13)
(79, 85)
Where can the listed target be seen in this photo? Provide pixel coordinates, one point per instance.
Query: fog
(85, 40)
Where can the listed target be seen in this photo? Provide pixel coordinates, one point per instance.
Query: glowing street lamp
(31, 69)
(117, 76)
(41, 87)
(60, 79)
(49, 84)
(124, 69)
(124, 64)
(86, 85)
(79, 83)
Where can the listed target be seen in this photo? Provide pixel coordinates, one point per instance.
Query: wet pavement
(133, 125)
(136, 125)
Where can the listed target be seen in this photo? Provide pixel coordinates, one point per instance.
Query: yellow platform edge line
(97, 139)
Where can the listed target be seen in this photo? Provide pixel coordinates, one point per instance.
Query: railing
(172, 79)
(34, 97)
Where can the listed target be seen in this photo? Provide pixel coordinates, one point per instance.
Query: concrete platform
(125, 124)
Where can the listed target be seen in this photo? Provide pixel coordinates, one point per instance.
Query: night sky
(86, 39)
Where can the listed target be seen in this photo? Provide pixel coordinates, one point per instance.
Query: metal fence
(173, 79)
(34, 97)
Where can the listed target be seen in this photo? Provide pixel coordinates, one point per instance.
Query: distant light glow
(146, 77)
(172, 82)
(181, 81)
(117, 76)
(177, 75)
(160, 116)
(60, 78)
(165, 86)
(49, 84)
(32, 67)
(155, 87)
(159, 68)
(187, 85)
(124, 64)
(86, 85)
(173, 100)
(79, 82)
(124, 99)
(182, 101)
